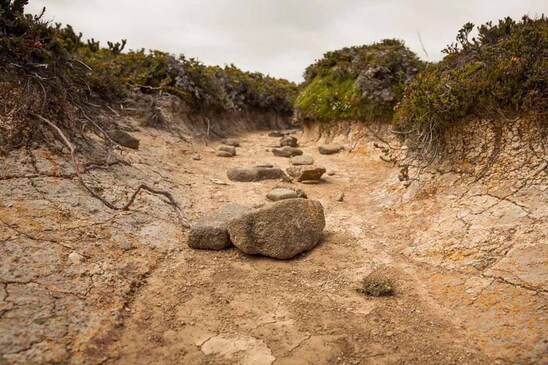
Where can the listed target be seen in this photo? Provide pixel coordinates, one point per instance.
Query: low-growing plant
(377, 287)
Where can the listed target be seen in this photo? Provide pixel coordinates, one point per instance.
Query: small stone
(302, 160)
(248, 174)
(331, 173)
(329, 149)
(290, 141)
(282, 194)
(231, 142)
(286, 151)
(306, 173)
(124, 139)
(76, 258)
(224, 154)
(196, 157)
(310, 182)
(210, 232)
(340, 197)
(276, 134)
(229, 149)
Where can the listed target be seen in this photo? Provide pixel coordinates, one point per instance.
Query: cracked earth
(81, 284)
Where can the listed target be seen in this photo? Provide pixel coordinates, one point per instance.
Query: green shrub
(504, 70)
(377, 287)
(362, 83)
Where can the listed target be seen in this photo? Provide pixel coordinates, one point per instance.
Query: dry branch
(72, 151)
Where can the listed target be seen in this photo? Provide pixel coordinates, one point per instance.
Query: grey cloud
(277, 37)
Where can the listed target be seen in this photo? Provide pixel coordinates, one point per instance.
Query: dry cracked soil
(82, 284)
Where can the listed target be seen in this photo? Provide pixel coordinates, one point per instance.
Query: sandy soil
(139, 295)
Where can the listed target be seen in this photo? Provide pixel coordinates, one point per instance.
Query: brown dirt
(141, 296)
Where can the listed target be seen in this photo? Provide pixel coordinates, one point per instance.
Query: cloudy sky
(277, 37)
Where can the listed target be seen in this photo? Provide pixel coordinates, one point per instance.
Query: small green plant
(377, 287)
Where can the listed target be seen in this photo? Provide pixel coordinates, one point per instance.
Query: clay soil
(82, 284)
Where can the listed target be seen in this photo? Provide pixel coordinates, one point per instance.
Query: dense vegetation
(61, 76)
(360, 83)
(502, 71)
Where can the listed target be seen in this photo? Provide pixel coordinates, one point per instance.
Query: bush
(377, 287)
(362, 83)
(502, 71)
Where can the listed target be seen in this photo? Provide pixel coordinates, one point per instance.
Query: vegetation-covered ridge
(48, 70)
(361, 83)
(502, 71)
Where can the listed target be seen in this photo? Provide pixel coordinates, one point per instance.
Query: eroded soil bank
(80, 283)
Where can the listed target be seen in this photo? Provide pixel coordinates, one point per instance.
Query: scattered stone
(286, 151)
(282, 194)
(340, 197)
(196, 157)
(330, 149)
(306, 173)
(124, 139)
(331, 173)
(76, 258)
(289, 141)
(280, 230)
(210, 232)
(248, 174)
(224, 154)
(302, 160)
(218, 182)
(229, 149)
(276, 134)
(231, 142)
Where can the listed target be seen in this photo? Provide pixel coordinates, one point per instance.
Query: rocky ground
(83, 284)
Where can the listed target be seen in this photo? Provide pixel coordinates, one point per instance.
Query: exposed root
(72, 151)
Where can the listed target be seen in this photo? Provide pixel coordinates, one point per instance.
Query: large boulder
(248, 174)
(330, 149)
(280, 230)
(286, 151)
(234, 142)
(306, 173)
(211, 232)
(124, 139)
(285, 193)
(302, 160)
(289, 141)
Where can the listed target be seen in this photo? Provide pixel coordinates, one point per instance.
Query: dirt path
(225, 307)
(142, 297)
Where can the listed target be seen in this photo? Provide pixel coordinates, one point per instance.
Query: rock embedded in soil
(306, 173)
(234, 142)
(210, 232)
(76, 258)
(196, 157)
(276, 134)
(280, 230)
(302, 160)
(124, 139)
(289, 141)
(330, 149)
(286, 151)
(249, 174)
(284, 193)
(224, 154)
(229, 149)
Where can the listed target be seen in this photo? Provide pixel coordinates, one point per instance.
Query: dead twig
(72, 151)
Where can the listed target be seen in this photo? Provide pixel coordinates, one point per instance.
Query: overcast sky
(277, 37)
